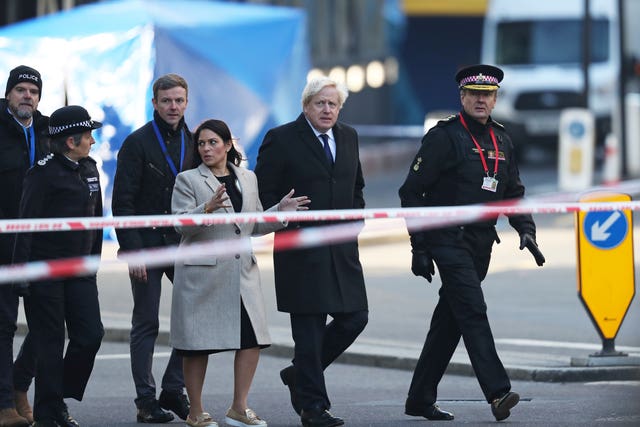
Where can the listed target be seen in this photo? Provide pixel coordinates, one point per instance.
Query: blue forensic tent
(245, 64)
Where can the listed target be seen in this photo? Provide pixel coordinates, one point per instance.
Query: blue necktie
(327, 150)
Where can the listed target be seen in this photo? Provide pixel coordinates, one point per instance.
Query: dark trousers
(18, 375)
(461, 312)
(317, 345)
(144, 332)
(61, 374)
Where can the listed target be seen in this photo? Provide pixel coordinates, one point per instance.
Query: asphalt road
(363, 396)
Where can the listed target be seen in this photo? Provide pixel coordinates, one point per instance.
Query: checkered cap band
(54, 130)
(479, 79)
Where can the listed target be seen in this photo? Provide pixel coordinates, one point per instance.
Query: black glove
(20, 288)
(527, 240)
(422, 264)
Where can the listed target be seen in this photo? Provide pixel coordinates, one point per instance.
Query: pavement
(527, 359)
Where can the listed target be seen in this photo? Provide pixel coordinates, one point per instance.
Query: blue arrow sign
(605, 230)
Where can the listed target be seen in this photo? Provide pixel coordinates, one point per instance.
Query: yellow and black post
(606, 281)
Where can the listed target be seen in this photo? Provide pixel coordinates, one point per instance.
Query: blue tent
(245, 64)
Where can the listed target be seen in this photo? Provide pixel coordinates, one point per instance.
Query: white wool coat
(205, 308)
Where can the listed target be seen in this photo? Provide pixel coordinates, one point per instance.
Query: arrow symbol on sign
(599, 232)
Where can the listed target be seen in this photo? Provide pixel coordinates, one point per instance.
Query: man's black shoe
(149, 411)
(430, 412)
(175, 402)
(63, 419)
(501, 406)
(318, 418)
(288, 377)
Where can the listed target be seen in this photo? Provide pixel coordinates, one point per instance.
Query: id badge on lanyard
(489, 183)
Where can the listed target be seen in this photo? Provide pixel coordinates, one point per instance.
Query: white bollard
(612, 161)
(632, 107)
(576, 149)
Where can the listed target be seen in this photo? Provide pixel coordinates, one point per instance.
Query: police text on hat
(479, 77)
(71, 120)
(22, 73)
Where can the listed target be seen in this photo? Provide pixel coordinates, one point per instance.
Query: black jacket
(143, 182)
(56, 187)
(14, 162)
(329, 278)
(448, 171)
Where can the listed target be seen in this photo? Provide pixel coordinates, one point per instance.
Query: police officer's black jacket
(143, 182)
(448, 171)
(14, 162)
(56, 187)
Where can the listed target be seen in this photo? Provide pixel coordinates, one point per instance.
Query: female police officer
(64, 184)
(465, 159)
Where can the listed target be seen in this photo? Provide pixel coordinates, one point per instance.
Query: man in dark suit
(148, 162)
(318, 157)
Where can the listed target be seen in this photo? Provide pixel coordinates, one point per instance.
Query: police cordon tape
(550, 203)
(30, 225)
(418, 219)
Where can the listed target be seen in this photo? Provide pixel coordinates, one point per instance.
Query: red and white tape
(419, 218)
(300, 238)
(29, 225)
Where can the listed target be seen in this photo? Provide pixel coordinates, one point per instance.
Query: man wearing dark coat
(318, 157)
(148, 163)
(23, 142)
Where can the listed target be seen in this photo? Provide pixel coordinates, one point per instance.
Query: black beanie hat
(22, 73)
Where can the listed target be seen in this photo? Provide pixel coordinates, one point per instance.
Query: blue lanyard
(163, 147)
(30, 140)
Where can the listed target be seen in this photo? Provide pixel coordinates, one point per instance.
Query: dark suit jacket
(326, 279)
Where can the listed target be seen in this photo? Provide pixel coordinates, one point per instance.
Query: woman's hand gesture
(218, 200)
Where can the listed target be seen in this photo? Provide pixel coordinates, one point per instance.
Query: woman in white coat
(217, 302)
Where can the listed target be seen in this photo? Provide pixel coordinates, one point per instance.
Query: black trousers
(61, 374)
(317, 345)
(18, 375)
(144, 332)
(461, 312)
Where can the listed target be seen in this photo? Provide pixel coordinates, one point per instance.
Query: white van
(538, 44)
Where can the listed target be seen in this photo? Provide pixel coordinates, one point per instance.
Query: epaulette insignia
(449, 119)
(498, 124)
(416, 165)
(44, 160)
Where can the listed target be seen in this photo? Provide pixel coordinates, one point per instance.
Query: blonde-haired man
(319, 157)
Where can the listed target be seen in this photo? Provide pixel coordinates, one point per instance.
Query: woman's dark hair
(221, 128)
(58, 144)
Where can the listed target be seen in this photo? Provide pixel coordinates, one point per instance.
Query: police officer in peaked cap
(66, 183)
(465, 159)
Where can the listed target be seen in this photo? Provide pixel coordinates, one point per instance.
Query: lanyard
(163, 147)
(495, 146)
(30, 140)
